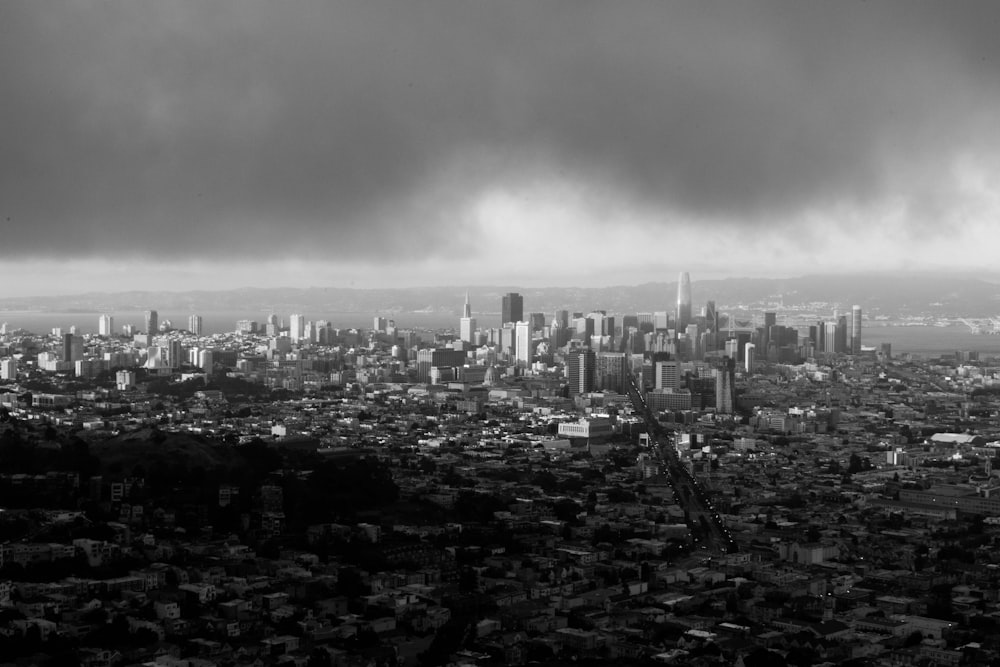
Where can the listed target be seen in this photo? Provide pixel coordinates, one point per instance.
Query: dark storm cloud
(358, 128)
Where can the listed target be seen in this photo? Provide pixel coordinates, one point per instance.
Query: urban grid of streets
(543, 492)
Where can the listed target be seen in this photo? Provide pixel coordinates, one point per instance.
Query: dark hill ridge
(149, 448)
(942, 294)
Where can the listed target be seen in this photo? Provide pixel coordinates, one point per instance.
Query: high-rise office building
(612, 371)
(507, 339)
(175, 352)
(561, 319)
(152, 320)
(106, 325)
(194, 325)
(296, 327)
(597, 326)
(72, 347)
(522, 343)
(830, 337)
(512, 308)
(584, 328)
(467, 323)
(840, 345)
(428, 359)
(580, 367)
(725, 386)
(668, 375)
(856, 330)
(683, 301)
(711, 316)
(748, 357)
(245, 327)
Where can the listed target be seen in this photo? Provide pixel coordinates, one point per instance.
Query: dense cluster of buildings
(532, 520)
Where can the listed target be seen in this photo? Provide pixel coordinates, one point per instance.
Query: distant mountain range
(889, 294)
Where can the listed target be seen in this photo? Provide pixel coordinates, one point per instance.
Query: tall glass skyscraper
(512, 308)
(683, 301)
(152, 321)
(856, 330)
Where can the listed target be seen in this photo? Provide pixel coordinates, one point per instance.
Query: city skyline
(367, 144)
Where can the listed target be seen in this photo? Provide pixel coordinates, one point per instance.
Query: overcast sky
(190, 144)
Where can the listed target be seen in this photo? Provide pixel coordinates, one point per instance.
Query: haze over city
(179, 145)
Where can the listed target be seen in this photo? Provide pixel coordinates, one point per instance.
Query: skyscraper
(711, 316)
(748, 357)
(467, 324)
(512, 308)
(152, 321)
(580, 366)
(522, 343)
(725, 386)
(72, 347)
(611, 371)
(296, 327)
(683, 301)
(856, 330)
(194, 324)
(840, 342)
(668, 375)
(106, 325)
(830, 337)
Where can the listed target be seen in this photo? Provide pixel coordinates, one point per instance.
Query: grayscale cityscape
(405, 334)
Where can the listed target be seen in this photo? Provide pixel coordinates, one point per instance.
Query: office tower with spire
(467, 323)
(512, 308)
(683, 301)
(152, 321)
(856, 330)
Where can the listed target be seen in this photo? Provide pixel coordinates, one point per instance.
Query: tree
(567, 510)
(319, 658)
(762, 657)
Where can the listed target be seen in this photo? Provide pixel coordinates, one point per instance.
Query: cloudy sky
(187, 144)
